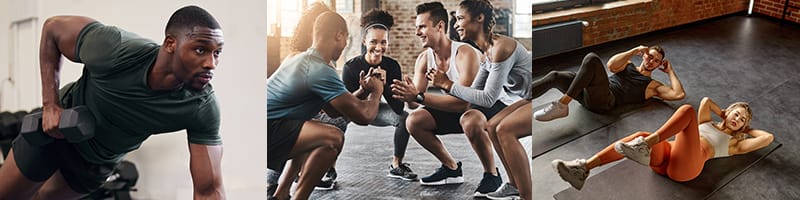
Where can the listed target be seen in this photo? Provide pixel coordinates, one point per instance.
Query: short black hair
(376, 16)
(189, 17)
(436, 9)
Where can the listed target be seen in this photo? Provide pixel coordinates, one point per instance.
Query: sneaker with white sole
(553, 111)
(636, 150)
(505, 192)
(488, 184)
(574, 171)
(402, 172)
(328, 181)
(443, 176)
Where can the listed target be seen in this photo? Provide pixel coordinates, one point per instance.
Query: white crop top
(718, 139)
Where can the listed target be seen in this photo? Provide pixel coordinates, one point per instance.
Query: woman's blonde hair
(741, 133)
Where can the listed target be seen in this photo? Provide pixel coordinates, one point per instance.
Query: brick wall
(404, 45)
(611, 24)
(774, 8)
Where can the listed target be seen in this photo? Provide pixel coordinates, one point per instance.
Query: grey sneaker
(553, 111)
(574, 171)
(636, 150)
(505, 192)
(402, 172)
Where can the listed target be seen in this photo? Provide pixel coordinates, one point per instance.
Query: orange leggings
(681, 159)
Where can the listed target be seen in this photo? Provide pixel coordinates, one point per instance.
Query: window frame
(515, 13)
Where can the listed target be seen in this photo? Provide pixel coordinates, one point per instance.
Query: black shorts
(281, 136)
(38, 163)
(446, 122)
(490, 112)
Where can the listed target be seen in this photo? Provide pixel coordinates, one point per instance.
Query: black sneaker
(402, 172)
(488, 184)
(443, 176)
(328, 181)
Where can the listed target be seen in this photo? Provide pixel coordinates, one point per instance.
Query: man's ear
(170, 43)
(442, 25)
(341, 36)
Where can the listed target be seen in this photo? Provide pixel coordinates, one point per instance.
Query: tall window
(522, 18)
(283, 16)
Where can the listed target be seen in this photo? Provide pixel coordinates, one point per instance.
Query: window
(540, 6)
(344, 6)
(283, 16)
(522, 18)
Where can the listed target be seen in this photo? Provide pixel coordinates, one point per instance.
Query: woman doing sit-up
(697, 139)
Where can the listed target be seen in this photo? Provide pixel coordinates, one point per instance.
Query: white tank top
(718, 139)
(452, 70)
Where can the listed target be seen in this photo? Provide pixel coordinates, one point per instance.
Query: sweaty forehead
(199, 31)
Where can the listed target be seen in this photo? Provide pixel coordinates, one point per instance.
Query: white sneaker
(636, 150)
(553, 111)
(574, 171)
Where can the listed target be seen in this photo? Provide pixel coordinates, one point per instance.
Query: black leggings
(401, 137)
(589, 85)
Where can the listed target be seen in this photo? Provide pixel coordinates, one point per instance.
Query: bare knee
(473, 123)
(419, 120)
(505, 133)
(333, 140)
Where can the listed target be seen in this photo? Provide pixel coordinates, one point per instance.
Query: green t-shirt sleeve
(205, 126)
(102, 49)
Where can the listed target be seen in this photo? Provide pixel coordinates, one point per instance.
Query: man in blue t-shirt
(301, 87)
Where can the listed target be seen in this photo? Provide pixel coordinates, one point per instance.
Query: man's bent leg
(56, 188)
(323, 143)
(14, 185)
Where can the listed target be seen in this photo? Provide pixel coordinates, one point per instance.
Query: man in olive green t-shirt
(134, 87)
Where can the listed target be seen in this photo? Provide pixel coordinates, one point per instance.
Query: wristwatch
(420, 97)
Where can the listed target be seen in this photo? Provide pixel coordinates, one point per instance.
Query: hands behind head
(439, 79)
(404, 89)
(373, 80)
(641, 50)
(666, 67)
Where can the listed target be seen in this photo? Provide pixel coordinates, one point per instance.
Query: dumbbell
(76, 124)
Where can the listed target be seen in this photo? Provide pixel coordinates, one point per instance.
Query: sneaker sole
(401, 178)
(559, 166)
(479, 194)
(620, 148)
(446, 181)
(513, 197)
(333, 185)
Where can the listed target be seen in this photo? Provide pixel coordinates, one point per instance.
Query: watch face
(420, 98)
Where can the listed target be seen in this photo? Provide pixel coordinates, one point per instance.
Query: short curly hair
(376, 16)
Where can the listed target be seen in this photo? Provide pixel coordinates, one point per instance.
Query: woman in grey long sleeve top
(501, 84)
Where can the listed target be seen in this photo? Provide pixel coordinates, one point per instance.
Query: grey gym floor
(364, 162)
(732, 58)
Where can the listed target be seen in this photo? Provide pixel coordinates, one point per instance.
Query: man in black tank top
(590, 86)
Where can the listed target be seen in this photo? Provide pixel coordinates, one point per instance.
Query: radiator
(556, 38)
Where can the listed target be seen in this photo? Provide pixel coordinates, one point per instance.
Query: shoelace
(405, 167)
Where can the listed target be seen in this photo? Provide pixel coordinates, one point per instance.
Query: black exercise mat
(630, 180)
(580, 122)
